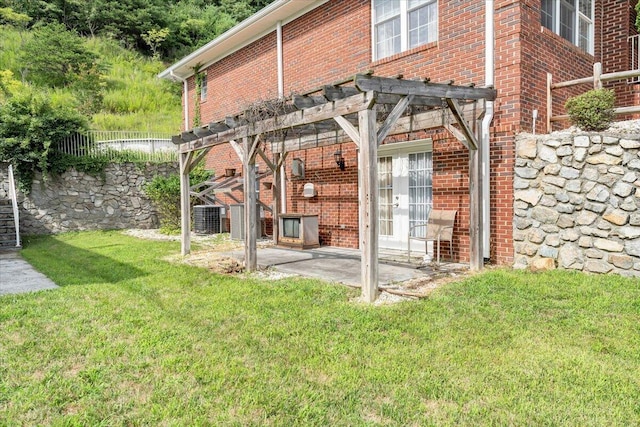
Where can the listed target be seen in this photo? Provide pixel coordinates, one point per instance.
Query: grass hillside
(133, 97)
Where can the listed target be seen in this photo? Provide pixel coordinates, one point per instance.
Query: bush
(593, 110)
(164, 191)
(31, 127)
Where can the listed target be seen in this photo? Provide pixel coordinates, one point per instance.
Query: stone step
(7, 243)
(6, 210)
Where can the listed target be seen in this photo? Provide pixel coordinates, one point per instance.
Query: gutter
(489, 80)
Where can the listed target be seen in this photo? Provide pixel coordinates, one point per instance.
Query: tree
(8, 85)
(638, 16)
(11, 17)
(56, 57)
(154, 38)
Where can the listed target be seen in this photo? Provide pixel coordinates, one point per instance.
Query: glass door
(405, 192)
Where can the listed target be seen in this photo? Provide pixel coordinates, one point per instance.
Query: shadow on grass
(69, 265)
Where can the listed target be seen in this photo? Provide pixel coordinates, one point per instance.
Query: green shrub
(164, 191)
(31, 127)
(593, 110)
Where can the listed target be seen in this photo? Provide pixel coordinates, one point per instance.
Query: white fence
(120, 146)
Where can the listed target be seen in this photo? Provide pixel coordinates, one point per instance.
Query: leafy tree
(8, 85)
(638, 16)
(154, 38)
(56, 57)
(11, 17)
(31, 127)
(192, 23)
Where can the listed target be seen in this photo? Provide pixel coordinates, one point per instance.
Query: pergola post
(368, 159)
(250, 230)
(185, 205)
(275, 202)
(476, 253)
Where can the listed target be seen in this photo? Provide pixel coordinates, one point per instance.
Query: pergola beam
(349, 129)
(472, 143)
(393, 117)
(415, 87)
(318, 113)
(427, 120)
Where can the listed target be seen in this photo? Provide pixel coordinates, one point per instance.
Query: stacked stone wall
(577, 202)
(79, 201)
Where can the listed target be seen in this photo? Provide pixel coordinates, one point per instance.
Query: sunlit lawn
(131, 339)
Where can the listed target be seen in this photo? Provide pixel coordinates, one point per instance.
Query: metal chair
(439, 228)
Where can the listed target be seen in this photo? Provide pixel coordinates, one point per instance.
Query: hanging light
(337, 156)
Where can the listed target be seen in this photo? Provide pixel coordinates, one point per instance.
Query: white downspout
(280, 60)
(185, 97)
(489, 67)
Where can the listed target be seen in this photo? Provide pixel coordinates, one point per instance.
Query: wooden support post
(275, 202)
(597, 73)
(549, 102)
(250, 230)
(185, 206)
(476, 253)
(368, 155)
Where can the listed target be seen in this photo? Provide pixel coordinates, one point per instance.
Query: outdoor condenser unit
(237, 221)
(207, 219)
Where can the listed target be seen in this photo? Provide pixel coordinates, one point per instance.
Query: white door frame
(399, 152)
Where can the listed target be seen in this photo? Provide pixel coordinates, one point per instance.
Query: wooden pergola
(365, 110)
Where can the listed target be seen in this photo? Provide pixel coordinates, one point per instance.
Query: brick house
(295, 47)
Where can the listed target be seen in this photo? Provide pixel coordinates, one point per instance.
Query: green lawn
(130, 339)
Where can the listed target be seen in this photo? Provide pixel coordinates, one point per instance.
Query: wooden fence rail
(597, 80)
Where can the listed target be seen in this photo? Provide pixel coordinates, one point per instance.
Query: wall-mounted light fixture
(337, 156)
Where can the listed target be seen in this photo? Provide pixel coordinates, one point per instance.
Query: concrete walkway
(18, 276)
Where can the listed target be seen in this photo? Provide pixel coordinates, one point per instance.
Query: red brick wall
(613, 49)
(333, 42)
(238, 80)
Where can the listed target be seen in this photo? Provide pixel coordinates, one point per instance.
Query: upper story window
(571, 19)
(203, 88)
(400, 25)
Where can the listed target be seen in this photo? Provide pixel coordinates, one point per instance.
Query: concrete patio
(343, 265)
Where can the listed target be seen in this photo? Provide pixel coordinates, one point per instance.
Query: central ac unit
(207, 219)
(237, 221)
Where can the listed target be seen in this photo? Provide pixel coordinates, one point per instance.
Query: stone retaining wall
(577, 202)
(79, 201)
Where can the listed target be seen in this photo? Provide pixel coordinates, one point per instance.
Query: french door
(405, 172)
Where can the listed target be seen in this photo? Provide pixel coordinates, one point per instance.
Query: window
(420, 190)
(400, 25)
(571, 19)
(203, 88)
(385, 189)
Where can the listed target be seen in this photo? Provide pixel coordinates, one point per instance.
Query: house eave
(234, 39)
